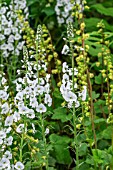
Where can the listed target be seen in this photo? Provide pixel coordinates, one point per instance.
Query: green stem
(74, 112)
(21, 147)
(44, 140)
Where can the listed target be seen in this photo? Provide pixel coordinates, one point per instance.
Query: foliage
(56, 97)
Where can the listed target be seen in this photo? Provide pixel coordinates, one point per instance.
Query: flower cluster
(6, 138)
(67, 87)
(11, 28)
(62, 10)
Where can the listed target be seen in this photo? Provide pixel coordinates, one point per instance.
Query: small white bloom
(70, 96)
(8, 130)
(19, 96)
(8, 141)
(17, 36)
(19, 166)
(39, 89)
(2, 134)
(16, 116)
(7, 155)
(47, 77)
(1, 141)
(5, 108)
(65, 50)
(3, 81)
(7, 31)
(33, 102)
(65, 78)
(4, 96)
(65, 67)
(47, 131)
(33, 126)
(20, 128)
(31, 114)
(84, 93)
(9, 120)
(41, 108)
(48, 100)
(5, 162)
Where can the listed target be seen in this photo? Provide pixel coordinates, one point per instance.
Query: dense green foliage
(78, 138)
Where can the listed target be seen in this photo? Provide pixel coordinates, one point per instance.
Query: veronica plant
(69, 88)
(11, 34)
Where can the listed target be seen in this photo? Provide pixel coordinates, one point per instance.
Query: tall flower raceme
(7, 119)
(11, 32)
(32, 100)
(62, 10)
(70, 89)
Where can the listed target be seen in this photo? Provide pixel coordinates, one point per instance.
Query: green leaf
(99, 120)
(61, 113)
(97, 156)
(94, 95)
(31, 2)
(108, 132)
(82, 149)
(91, 23)
(48, 11)
(60, 145)
(98, 79)
(94, 48)
(101, 9)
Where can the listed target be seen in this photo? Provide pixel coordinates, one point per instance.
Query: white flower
(63, 88)
(77, 104)
(8, 130)
(65, 78)
(16, 116)
(3, 46)
(10, 47)
(19, 166)
(39, 89)
(17, 36)
(33, 102)
(1, 141)
(70, 71)
(70, 96)
(41, 108)
(5, 162)
(20, 128)
(7, 31)
(19, 96)
(3, 81)
(47, 88)
(31, 114)
(8, 141)
(47, 131)
(48, 100)
(9, 120)
(65, 50)
(5, 108)
(18, 87)
(3, 10)
(3, 95)
(2, 37)
(23, 109)
(33, 126)
(2, 134)
(84, 93)
(11, 38)
(65, 67)
(7, 155)
(47, 77)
